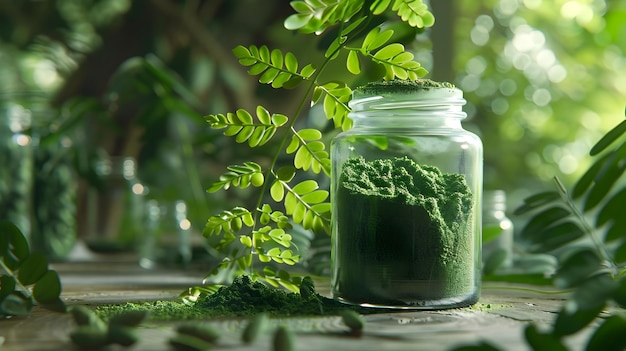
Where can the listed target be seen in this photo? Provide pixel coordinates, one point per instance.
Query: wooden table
(499, 318)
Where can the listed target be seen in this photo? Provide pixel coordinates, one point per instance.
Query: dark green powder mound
(445, 197)
(245, 297)
(404, 234)
(242, 298)
(400, 86)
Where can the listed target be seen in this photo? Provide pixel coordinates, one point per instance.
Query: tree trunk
(442, 35)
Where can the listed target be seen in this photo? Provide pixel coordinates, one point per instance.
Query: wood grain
(499, 318)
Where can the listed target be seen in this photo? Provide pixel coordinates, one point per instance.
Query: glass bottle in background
(16, 165)
(55, 186)
(166, 239)
(497, 232)
(115, 206)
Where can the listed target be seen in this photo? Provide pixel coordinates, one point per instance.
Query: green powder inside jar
(396, 86)
(404, 234)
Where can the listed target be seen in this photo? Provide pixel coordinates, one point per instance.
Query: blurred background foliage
(543, 79)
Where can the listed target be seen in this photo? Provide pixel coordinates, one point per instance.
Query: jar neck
(494, 201)
(408, 110)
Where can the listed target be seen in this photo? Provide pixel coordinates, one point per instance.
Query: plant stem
(599, 245)
(10, 273)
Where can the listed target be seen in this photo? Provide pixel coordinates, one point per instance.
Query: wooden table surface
(499, 318)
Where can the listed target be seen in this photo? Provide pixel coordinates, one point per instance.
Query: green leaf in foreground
(32, 269)
(608, 138)
(48, 288)
(584, 305)
(15, 305)
(541, 341)
(609, 336)
(14, 247)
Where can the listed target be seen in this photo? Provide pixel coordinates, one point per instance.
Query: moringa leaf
(620, 254)
(389, 51)
(286, 173)
(277, 191)
(309, 134)
(533, 229)
(585, 182)
(584, 305)
(536, 201)
(305, 187)
(352, 63)
(32, 269)
(48, 288)
(616, 230)
(555, 236)
(375, 39)
(612, 210)
(609, 336)
(15, 304)
(542, 341)
(315, 197)
(608, 138)
(605, 179)
(7, 286)
(14, 245)
(576, 267)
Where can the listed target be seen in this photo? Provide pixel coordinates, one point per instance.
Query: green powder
(243, 298)
(404, 234)
(400, 86)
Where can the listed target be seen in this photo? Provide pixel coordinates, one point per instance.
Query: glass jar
(497, 232)
(406, 191)
(16, 160)
(166, 239)
(115, 206)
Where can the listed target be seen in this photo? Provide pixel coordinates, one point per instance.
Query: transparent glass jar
(115, 206)
(166, 239)
(406, 190)
(498, 231)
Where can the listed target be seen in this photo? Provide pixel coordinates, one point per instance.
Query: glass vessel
(406, 190)
(166, 240)
(115, 206)
(499, 228)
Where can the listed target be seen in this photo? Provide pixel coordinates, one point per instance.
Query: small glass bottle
(115, 206)
(498, 229)
(406, 191)
(166, 239)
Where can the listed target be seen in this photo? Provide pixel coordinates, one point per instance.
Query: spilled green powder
(243, 298)
(404, 234)
(397, 86)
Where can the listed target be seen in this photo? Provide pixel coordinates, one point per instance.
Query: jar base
(439, 304)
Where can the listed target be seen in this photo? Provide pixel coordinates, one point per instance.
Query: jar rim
(393, 96)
